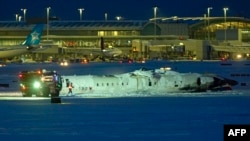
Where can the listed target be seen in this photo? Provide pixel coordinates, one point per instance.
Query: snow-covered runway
(127, 118)
(140, 116)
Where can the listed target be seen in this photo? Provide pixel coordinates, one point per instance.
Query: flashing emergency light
(39, 72)
(37, 84)
(22, 86)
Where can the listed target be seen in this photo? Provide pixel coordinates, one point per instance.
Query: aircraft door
(140, 83)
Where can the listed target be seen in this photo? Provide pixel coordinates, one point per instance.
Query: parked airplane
(31, 43)
(108, 53)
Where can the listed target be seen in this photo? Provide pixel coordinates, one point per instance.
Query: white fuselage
(6, 52)
(137, 81)
(112, 52)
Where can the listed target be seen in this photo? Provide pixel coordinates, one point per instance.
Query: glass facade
(202, 30)
(87, 34)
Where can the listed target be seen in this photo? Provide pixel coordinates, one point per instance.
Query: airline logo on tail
(35, 36)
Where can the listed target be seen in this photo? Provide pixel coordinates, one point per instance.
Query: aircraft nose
(222, 81)
(231, 82)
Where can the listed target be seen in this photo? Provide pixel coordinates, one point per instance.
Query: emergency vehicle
(40, 83)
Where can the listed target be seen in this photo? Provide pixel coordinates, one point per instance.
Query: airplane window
(175, 84)
(97, 84)
(107, 84)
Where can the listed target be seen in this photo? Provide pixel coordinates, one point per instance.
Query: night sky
(128, 9)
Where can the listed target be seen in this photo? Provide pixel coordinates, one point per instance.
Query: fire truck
(40, 83)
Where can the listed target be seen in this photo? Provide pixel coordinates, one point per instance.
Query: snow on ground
(139, 116)
(127, 118)
(237, 70)
(142, 94)
(145, 94)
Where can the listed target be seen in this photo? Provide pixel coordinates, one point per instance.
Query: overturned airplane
(160, 80)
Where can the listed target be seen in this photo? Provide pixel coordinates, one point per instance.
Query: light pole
(106, 16)
(19, 18)
(24, 13)
(16, 15)
(48, 9)
(208, 18)
(225, 20)
(118, 18)
(155, 10)
(205, 34)
(80, 11)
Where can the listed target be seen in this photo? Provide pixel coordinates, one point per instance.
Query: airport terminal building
(161, 38)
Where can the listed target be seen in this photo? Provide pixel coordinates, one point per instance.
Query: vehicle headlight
(37, 85)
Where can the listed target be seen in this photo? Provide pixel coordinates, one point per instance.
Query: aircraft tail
(102, 43)
(35, 36)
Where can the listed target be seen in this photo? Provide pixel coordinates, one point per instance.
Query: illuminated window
(100, 33)
(115, 33)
